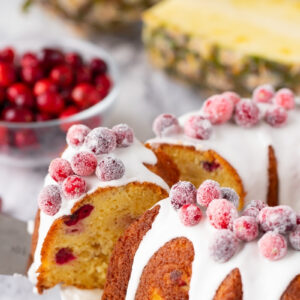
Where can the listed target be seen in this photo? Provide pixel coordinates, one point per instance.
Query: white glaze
(247, 152)
(262, 279)
(133, 157)
(72, 293)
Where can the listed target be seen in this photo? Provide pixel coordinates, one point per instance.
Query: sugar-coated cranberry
(42, 117)
(63, 256)
(83, 74)
(280, 218)
(17, 114)
(101, 140)
(181, 193)
(98, 66)
(7, 74)
(223, 245)
(85, 95)
(50, 102)
(245, 228)
(272, 245)
(246, 113)
(251, 212)
(257, 204)
(210, 166)
(276, 116)
(29, 59)
(234, 97)
(230, 195)
(43, 86)
(20, 94)
(263, 93)
(218, 109)
(84, 163)
(221, 213)
(31, 75)
(73, 187)
(198, 127)
(76, 135)
(62, 75)
(73, 59)
(110, 168)
(208, 191)
(25, 138)
(124, 135)
(51, 57)
(298, 218)
(103, 85)
(50, 200)
(190, 214)
(165, 125)
(7, 55)
(294, 238)
(60, 169)
(285, 98)
(80, 214)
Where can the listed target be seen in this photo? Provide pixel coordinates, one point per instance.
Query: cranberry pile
(276, 227)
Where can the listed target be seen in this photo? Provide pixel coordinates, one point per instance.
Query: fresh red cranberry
(276, 116)
(257, 204)
(17, 114)
(210, 166)
(62, 75)
(50, 102)
(25, 138)
(7, 55)
(294, 238)
(83, 74)
(60, 169)
(42, 117)
(165, 125)
(223, 245)
(103, 85)
(272, 245)
(2, 95)
(263, 94)
(251, 212)
(51, 57)
(7, 74)
(110, 168)
(230, 195)
(218, 109)
(50, 200)
(181, 193)
(4, 136)
(245, 228)
(66, 93)
(20, 94)
(29, 59)
(31, 75)
(285, 98)
(124, 134)
(44, 85)
(84, 163)
(98, 66)
(101, 140)
(76, 135)
(232, 96)
(63, 256)
(198, 127)
(190, 214)
(85, 95)
(73, 59)
(221, 213)
(208, 191)
(80, 214)
(246, 113)
(73, 187)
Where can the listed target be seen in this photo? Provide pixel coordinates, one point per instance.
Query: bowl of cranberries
(45, 87)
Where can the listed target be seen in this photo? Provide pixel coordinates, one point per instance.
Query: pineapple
(226, 44)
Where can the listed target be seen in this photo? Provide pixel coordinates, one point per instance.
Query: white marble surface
(145, 92)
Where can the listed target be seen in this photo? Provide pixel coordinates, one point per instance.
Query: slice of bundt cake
(195, 245)
(250, 145)
(103, 181)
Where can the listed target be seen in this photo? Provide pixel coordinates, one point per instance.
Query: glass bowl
(39, 142)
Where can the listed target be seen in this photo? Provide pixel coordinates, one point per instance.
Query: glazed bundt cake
(250, 145)
(103, 181)
(195, 246)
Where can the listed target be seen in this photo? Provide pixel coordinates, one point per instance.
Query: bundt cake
(250, 145)
(103, 181)
(177, 250)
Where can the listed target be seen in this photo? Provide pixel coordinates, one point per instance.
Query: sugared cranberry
(50, 102)
(85, 95)
(234, 97)
(294, 238)
(20, 94)
(276, 116)
(272, 245)
(25, 138)
(31, 75)
(210, 166)
(298, 218)
(42, 117)
(101, 140)
(257, 204)
(263, 94)
(223, 245)
(208, 191)
(245, 228)
(63, 256)
(246, 113)
(110, 168)
(198, 127)
(51, 57)
(43, 86)
(76, 135)
(218, 109)
(165, 125)
(50, 200)
(73, 187)
(285, 98)
(80, 214)
(124, 135)
(62, 75)
(17, 114)
(7, 55)
(251, 212)
(98, 66)
(29, 59)
(84, 163)
(83, 74)
(60, 169)
(7, 74)
(221, 213)
(280, 218)
(73, 59)
(190, 214)
(230, 195)
(103, 85)
(181, 193)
